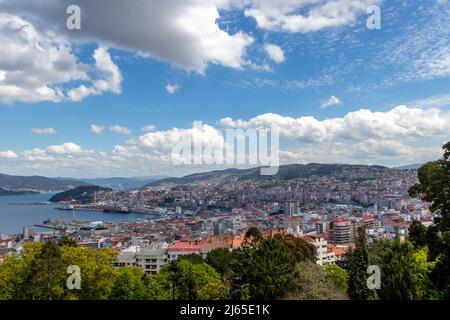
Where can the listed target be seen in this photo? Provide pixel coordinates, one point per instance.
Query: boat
(120, 210)
(66, 207)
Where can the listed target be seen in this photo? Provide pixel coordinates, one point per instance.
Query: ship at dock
(117, 209)
(66, 207)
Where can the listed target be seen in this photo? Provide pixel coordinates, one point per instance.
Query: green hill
(83, 194)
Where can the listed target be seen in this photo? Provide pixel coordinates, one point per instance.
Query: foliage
(129, 285)
(213, 291)
(425, 268)
(271, 269)
(220, 259)
(301, 249)
(434, 187)
(313, 283)
(399, 272)
(97, 273)
(193, 257)
(45, 278)
(184, 280)
(339, 276)
(252, 237)
(358, 262)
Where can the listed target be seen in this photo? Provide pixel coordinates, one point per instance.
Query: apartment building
(150, 257)
(342, 231)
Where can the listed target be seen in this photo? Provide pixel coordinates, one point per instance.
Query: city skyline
(113, 101)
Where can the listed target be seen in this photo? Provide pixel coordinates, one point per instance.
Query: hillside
(285, 172)
(83, 194)
(119, 183)
(35, 183)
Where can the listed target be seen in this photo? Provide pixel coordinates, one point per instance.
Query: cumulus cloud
(164, 141)
(37, 67)
(44, 131)
(8, 155)
(97, 129)
(404, 134)
(31, 64)
(172, 88)
(65, 148)
(120, 129)
(332, 101)
(274, 52)
(182, 32)
(305, 15)
(109, 78)
(400, 122)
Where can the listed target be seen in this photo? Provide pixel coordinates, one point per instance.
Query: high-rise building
(342, 231)
(290, 207)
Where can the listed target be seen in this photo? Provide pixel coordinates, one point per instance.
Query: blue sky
(218, 74)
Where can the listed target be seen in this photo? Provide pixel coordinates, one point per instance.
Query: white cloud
(97, 129)
(31, 64)
(148, 128)
(332, 101)
(44, 131)
(37, 66)
(288, 16)
(417, 53)
(172, 88)
(274, 52)
(110, 78)
(120, 129)
(438, 101)
(182, 32)
(402, 134)
(401, 122)
(65, 148)
(8, 155)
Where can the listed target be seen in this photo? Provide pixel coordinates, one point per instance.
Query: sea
(21, 211)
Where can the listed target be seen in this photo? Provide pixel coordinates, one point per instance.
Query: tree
(15, 271)
(425, 268)
(312, 282)
(186, 279)
(358, 262)
(240, 274)
(97, 273)
(193, 257)
(417, 234)
(220, 260)
(67, 241)
(301, 249)
(271, 269)
(46, 279)
(434, 187)
(339, 276)
(158, 287)
(213, 291)
(252, 237)
(399, 272)
(129, 285)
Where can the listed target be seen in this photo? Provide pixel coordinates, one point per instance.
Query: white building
(323, 255)
(150, 257)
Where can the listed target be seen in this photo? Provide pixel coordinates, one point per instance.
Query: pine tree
(357, 269)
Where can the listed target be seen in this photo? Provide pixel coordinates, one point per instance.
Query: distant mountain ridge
(409, 166)
(4, 192)
(120, 183)
(37, 183)
(291, 171)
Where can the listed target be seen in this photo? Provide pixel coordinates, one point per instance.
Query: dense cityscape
(326, 210)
